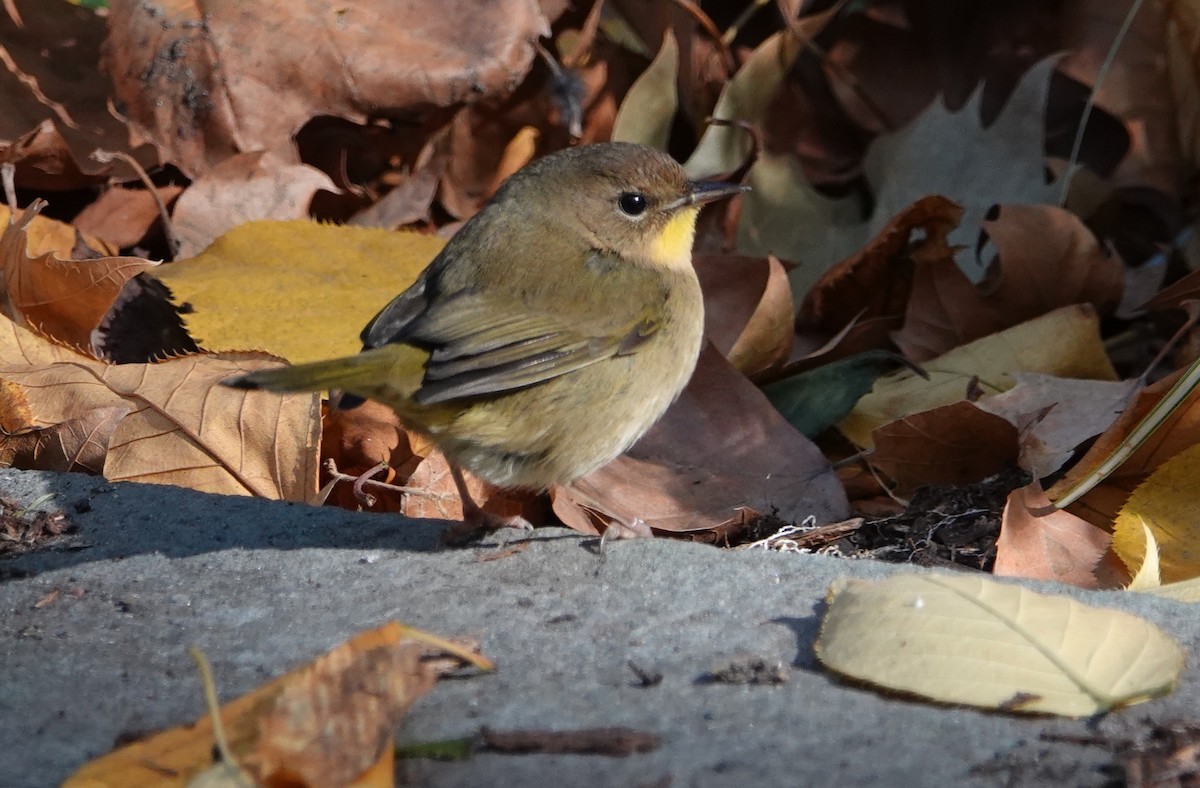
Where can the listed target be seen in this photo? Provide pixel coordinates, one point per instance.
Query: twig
(1073, 159)
(108, 156)
(365, 480)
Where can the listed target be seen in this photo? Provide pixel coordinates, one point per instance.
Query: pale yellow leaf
(1168, 505)
(649, 107)
(1065, 342)
(1183, 591)
(969, 640)
(295, 289)
(1148, 575)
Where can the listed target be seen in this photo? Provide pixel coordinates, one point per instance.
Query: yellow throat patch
(672, 247)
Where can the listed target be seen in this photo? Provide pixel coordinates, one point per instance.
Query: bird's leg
(476, 521)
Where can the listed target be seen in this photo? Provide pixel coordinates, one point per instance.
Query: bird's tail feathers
(364, 371)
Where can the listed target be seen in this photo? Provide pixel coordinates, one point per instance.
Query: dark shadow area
(806, 630)
(120, 520)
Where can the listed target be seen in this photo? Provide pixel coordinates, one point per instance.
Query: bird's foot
(478, 523)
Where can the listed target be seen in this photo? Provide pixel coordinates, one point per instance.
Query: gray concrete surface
(264, 586)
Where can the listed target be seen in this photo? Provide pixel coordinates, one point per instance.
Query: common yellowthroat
(551, 331)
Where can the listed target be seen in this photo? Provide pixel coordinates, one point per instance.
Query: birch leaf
(969, 640)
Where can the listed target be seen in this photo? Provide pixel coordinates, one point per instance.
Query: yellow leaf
(970, 640)
(295, 289)
(1183, 591)
(1168, 506)
(1065, 342)
(326, 723)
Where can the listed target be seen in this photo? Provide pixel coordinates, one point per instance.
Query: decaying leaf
(1039, 541)
(974, 641)
(1057, 415)
(61, 298)
(1065, 342)
(205, 85)
(322, 724)
(952, 444)
(747, 309)
(242, 189)
(181, 428)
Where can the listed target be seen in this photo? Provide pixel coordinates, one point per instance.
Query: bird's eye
(632, 203)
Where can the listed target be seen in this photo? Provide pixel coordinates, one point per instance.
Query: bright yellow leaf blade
(298, 289)
(973, 641)
(1065, 342)
(1168, 503)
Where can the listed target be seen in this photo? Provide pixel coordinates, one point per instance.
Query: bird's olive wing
(481, 346)
(392, 322)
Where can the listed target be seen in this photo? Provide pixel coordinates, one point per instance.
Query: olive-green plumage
(552, 331)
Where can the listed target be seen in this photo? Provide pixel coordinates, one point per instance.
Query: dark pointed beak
(707, 191)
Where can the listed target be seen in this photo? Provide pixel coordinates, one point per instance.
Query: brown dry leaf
(873, 286)
(121, 216)
(1180, 430)
(1057, 415)
(61, 298)
(360, 438)
(747, 309)
(1039, 541)
(1065, 343)
(55, 98)
(243, 189)
(719, 451)
(78, 445)
(204, 86)
(183, 428)
(1135, 87)
(299, 289)
(322, 724)
(1046, 259)
(954, 444)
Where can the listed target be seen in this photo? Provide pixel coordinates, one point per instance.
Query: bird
(550, 333)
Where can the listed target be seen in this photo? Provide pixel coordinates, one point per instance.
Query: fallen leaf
(62, 299)
(182, 427)
(649, 107)
(953, 444)
(1046, 258)
(207, 85)
(241, 189)
(719, 451)
(56, 99)
(1039, 541)
(271, 285)
(747, 309)
(1168, 504)
(121, 216)
(969, 640)
(77, 445)
(1065, 342)
(1057, 415)
(815, 400)
(325, 723)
